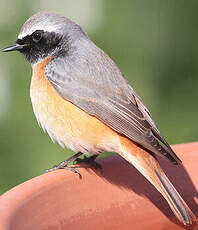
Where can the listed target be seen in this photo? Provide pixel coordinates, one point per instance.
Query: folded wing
(96, 85)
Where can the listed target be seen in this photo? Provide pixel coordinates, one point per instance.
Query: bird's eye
(36, 36)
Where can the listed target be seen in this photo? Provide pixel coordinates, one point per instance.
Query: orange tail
(151, 169)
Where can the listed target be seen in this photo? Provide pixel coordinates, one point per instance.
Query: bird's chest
(63, 121)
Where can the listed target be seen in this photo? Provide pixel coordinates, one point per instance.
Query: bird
(84, 102)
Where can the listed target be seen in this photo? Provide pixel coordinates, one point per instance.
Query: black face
(39, 45)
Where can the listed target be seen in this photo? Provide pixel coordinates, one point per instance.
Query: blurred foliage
(153, 43)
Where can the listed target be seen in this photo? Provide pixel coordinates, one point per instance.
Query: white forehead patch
(46, 28)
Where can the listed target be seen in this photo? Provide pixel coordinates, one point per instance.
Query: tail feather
(151, 169)
(177, 204)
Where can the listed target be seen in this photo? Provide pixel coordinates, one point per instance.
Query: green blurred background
(153, 42)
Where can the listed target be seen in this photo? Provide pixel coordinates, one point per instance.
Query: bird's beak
(14, 47)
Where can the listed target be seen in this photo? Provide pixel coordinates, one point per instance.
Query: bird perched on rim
(82, 100)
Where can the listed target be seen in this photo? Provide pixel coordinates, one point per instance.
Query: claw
(74, 170)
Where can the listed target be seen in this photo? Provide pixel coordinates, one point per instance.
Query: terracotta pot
(120, 199)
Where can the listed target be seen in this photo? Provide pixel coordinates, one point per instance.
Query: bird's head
(46, 34)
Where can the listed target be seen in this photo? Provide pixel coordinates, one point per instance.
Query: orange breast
(66, 123)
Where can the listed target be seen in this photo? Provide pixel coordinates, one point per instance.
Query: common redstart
(83, 101)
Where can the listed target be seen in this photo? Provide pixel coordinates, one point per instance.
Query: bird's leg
(63, 165)
(90, 161)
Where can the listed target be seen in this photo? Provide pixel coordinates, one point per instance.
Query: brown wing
(91, 80)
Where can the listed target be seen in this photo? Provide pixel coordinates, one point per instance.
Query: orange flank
(66, 123)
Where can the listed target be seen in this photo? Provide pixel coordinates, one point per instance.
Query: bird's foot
(64, 165)
(90, 161)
